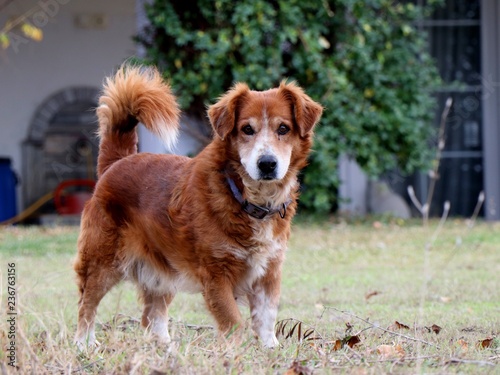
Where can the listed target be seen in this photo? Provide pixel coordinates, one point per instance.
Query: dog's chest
(266, 247)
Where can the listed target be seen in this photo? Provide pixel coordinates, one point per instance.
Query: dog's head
(270, 131)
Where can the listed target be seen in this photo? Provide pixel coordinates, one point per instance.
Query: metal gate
(455, 43)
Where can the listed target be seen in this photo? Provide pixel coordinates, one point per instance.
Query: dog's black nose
(267, 165)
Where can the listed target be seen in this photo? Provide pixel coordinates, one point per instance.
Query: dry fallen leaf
(400, 325)
(463, 345)
(298, 369)
(338, 345)
(400, 350)
(385, 350)
(371, 294)
(390, 351)
(353, 340)
(486, 343)
(436, 329)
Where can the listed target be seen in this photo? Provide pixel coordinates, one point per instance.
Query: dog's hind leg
(155, 314)
(93, 287)
(96, 272)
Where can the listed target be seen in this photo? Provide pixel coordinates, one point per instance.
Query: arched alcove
(61, 142)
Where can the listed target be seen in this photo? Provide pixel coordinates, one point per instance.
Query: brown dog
(216, 224)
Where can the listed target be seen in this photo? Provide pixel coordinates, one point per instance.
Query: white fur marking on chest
(267, 247)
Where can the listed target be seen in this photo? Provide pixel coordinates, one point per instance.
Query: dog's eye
(247, 129)
(283, 129)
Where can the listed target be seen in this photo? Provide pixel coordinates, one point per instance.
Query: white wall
(67, 56)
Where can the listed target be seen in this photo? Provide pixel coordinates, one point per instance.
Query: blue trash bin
(8, 182)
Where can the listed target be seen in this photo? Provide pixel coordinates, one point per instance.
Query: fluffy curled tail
(134, 94)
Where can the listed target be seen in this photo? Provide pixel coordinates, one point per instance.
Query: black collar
(253, 210)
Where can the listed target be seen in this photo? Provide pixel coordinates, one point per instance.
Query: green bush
(364, 60)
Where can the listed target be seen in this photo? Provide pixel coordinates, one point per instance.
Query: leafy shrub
(364, 60)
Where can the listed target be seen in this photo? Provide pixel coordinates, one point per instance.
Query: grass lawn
(361, 298)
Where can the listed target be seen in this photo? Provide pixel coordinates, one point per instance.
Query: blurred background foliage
(25, 30)
(365, 61)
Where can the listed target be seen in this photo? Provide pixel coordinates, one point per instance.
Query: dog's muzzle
(267, 167)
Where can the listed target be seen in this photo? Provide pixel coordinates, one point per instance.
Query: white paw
(86, 342)
(159, 328)
(270, 341)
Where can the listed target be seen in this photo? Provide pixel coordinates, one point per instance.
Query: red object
(72, 203)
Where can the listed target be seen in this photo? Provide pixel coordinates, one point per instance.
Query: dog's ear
(224, 114)
(306, 112)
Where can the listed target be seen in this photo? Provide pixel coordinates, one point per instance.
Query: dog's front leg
(219, 296)
(264, 301)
